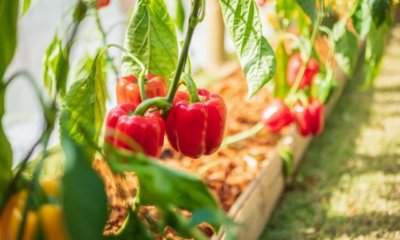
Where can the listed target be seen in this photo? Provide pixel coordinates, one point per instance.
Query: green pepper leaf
(375, 46)
(380, 10)
(281, 87)
(151, 37)
(8, 43)
(180, 15)
(8, 33)
(291, 11)
(346, 45)
(83, 192)
(308, 7)
(323, 86)
(132, 228)
(159, 182)
(25, 6)
(55, 67)
(255, 53)
(362, 18)
(85, 102)
(6, 154)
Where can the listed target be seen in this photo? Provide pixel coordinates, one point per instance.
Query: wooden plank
(254, 207)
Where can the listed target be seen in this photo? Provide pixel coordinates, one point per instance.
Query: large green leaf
(255, 53)
(85, 102)
(8, 42)
(308, 7)
(346, 45)
(84, 199)
(152, 38)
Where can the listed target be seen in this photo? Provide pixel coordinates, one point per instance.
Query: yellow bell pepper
(49, 216)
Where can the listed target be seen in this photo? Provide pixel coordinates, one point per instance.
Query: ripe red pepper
(277, 116)
(102, 3)
(135, 133)
(196, 129)
(128, 89)
(294, 65)
(303, 119)
(316, 109)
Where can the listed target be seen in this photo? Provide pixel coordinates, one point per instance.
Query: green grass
(348, 185)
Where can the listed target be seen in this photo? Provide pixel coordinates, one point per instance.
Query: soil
(228, 172)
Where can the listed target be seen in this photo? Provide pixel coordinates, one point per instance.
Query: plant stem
(193, 21)
(159, 102)
(104, 40)
(243, 135)
(191, 86)
(302, 70)
(128, 54)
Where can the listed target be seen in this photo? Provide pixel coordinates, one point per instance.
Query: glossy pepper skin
(135, 133)
(196, 129)
(303, 119)
(316, 109)
(102, 3)
(294, 65)
(49, 216)
(128, 89)
(277, 116)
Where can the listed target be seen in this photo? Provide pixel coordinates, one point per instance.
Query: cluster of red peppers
(308, 115)
(194, 126)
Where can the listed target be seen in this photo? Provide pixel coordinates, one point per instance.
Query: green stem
(191, 86)
(243, 135)
(300, 74)
(193, 21)
(142, 88)
(159, 102)
(128, 54)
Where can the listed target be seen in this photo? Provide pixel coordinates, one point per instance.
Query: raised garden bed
(246, 177)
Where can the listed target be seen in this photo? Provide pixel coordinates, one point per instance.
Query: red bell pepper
(316, 109)
(309, 119)
(196, 129)
(294, 66)
(102, 3)
(277, 116)
(303, 119)
(135, 133)
(128, 89)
